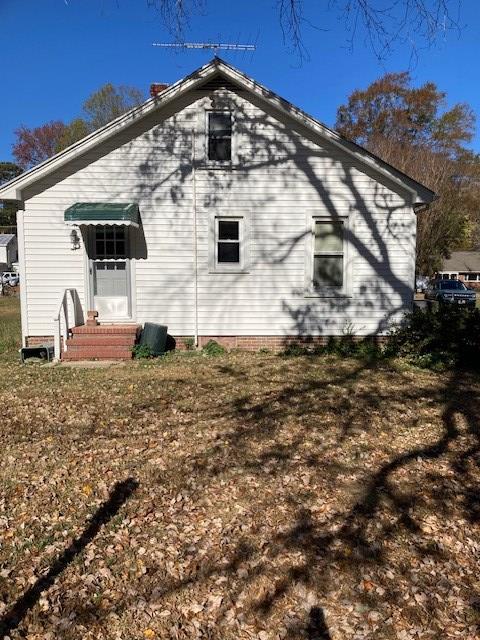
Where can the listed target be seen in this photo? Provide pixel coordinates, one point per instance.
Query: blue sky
(56, 52)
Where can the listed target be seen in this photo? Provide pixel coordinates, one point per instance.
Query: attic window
(219, 125)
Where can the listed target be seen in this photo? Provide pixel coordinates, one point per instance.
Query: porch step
(101, 339)
(97, 353)
(108, 329)
(102, 342)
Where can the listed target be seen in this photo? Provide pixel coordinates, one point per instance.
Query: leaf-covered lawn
(244, 496)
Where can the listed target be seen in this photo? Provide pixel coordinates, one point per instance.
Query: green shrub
(445, 337)
(294, 349)
(344, 346)
(142, 351)
(368, 349)
(212, 348)
(189, 343)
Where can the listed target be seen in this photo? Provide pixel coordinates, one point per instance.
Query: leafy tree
(8, 171)
(390, 108)
(109, 102)
(410, 128)
(33, 146)
(36, 145)
(76, 130)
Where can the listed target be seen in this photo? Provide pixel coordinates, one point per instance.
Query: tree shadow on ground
(385, 510)
(120, 493)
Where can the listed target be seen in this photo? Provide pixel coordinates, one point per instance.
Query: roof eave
(13, 190)
(421, 194)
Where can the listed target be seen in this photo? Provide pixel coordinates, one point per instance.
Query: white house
(8, 251)
(223, 211)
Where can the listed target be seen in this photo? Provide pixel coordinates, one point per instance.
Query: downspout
(195, 241)
(23, 276)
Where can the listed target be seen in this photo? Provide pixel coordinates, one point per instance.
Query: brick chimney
(156, 88)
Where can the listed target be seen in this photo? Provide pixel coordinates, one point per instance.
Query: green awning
(100, 213)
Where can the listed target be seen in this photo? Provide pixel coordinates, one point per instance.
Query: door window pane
(110, 279)
(110, 242)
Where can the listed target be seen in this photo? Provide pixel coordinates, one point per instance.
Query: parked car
(11, 278)
(451, 292)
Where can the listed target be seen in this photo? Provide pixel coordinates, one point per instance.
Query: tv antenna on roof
(214, 46)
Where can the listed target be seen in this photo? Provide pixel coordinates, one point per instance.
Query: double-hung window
(328, 264)
(228, 242)
(228, 251)
(219, 134)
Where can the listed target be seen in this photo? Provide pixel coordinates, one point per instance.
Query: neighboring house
(8, 251)
(224, 212)
(464, 266)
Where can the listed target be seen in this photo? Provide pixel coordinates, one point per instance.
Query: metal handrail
(59, 336)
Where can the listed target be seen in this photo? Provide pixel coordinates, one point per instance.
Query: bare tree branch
(418, 23)
(176, 14)
(383, 23)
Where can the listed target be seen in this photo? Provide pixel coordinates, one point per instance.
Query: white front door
(110, 272)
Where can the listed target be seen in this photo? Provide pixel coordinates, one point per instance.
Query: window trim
(219, 163)
(312, 291)
(229, 267)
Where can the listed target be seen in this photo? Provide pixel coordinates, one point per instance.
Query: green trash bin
(154, 336)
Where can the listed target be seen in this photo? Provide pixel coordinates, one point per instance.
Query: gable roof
(462, 261)
(6, 238)
(208, 73)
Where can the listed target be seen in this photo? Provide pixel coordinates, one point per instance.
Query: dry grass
(244, 496)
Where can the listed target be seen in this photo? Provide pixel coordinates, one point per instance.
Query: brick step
(97, 353)
(78, 357)
(107, 329)
(101, 340)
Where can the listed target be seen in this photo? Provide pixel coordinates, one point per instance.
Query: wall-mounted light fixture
(74, 239)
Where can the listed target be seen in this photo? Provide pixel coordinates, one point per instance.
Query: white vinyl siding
(281, 181)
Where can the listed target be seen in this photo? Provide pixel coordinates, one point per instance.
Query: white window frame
(219, 163)
(312, 291)
(229, 267)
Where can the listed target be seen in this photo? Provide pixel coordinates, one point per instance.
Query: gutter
(23, 275)
(195, 240)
